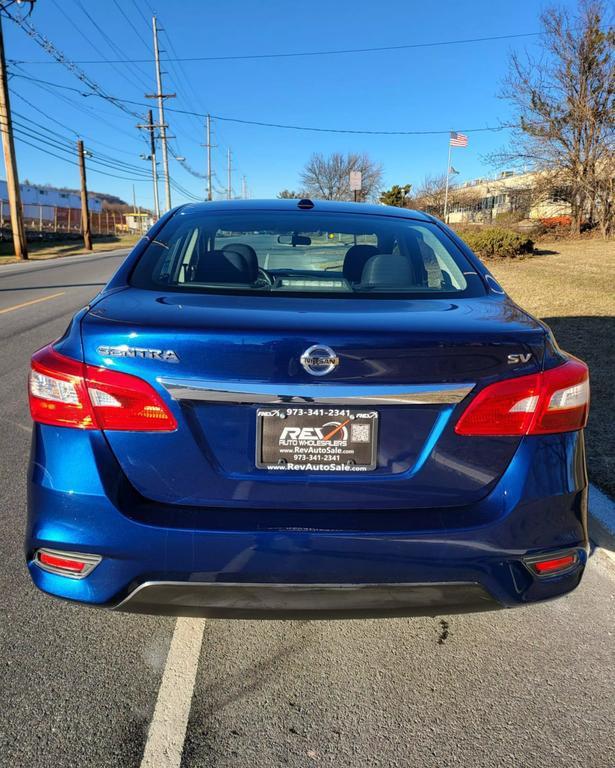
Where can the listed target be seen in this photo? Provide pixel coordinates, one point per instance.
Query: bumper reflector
(554, 565)
(72, 564)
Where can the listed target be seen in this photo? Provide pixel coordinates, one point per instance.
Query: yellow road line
(32, 301)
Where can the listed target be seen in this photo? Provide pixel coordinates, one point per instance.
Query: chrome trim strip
(331, 394)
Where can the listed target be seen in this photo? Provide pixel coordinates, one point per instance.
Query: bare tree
(429, 195)
(565, 103)
(328, 178)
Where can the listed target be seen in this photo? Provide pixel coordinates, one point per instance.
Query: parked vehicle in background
(297, 408)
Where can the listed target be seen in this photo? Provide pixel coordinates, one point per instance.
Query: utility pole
(228, 174)
(209, 170)
(10, 162)
(85, 213)
(161, 96)
(149, 126)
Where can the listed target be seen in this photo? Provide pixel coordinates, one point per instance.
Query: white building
(481, 200)
(39, 201)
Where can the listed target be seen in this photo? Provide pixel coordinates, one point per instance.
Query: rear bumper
(224, 562)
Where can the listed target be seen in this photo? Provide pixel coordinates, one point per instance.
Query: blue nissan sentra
(297, 408)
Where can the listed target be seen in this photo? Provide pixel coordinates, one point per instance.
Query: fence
(41, 219)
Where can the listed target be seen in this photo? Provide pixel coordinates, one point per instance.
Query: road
(79, 687)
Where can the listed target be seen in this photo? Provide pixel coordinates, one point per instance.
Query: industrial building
(47, 205)
(482, 200)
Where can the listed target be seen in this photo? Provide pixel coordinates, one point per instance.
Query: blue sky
(422, 89)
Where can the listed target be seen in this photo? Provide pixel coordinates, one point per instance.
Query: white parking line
(167, 731)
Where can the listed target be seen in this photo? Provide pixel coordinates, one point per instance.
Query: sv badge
(521, 357)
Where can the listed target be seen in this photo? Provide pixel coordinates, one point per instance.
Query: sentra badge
(164, 355)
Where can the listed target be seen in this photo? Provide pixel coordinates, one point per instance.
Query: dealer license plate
(316, 439)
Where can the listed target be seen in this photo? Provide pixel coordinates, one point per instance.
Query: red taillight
(61, 563)
(75, 565)
(556, 400)
(126, 402)
(57, 391)
(544, 567)
(555, 563)
(66, 393)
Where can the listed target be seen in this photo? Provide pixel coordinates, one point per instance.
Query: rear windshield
(305, 253)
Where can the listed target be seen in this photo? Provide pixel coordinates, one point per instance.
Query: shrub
(497, 243)
(507, 218)
(556, 221)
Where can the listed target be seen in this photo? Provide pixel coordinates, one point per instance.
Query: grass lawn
(64, 248)
(571, 286)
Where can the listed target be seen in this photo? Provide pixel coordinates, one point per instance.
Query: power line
(135, 30)
(178, 188)
(316, 129)
(86, 110)
(140, 12)
(66, 127)
(59, 147)
(60, 58)
(61, 142)
(180, 73)
(296, 54)
(80, 32)
(97, 90)
(110, 42)
(185, 165)
(50, 48)
(72, 162)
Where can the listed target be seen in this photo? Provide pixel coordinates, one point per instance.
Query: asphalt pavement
(80, 687)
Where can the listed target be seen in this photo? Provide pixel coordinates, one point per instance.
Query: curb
(601, 518)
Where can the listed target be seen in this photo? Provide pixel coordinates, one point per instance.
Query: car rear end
(306, 410)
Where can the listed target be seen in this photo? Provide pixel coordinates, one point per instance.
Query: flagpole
(448, 173)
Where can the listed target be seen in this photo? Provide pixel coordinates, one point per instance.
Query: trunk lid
(426, 354)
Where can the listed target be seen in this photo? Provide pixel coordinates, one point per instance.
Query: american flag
(458, 140)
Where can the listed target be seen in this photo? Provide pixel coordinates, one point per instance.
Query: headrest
(355, 260)
(387, 270)
(225, 266)
(245, 250)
